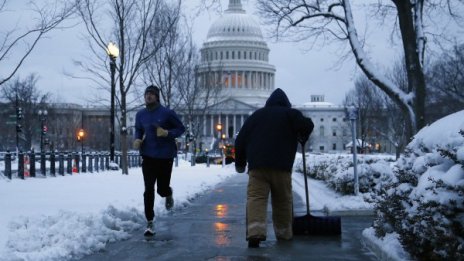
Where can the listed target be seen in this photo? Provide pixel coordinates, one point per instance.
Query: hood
(278, 98)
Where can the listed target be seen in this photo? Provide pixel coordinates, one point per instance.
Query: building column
(234, 125)
(226, 130)
(229, 82)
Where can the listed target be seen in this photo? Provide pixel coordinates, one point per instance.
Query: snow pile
(424, 204)
(70, 235)
(68, 217)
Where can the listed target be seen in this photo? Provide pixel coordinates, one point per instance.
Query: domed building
(235, 58)
(235, 67)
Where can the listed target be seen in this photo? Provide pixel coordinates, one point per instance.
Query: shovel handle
(305, 176)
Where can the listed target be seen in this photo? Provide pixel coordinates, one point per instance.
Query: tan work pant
(279, 184)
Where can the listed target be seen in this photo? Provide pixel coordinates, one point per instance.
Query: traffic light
(19, 128)
(44, 129)
(19, 113)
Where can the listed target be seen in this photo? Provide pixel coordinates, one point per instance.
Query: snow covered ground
(63, 217)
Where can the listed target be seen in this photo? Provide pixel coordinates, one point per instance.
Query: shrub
(424, 203)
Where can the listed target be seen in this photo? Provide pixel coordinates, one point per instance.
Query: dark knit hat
(153, 89)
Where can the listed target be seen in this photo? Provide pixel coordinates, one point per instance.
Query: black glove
(302, 138)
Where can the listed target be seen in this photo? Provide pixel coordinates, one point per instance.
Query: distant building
(331, 129)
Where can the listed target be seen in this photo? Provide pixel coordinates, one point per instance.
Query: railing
(55, 163)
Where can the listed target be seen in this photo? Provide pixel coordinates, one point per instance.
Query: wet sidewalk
(213, 228)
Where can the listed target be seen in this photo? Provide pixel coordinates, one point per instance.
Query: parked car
(214, 158)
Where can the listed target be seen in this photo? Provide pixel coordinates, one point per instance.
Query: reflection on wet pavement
(222, 231)
(221, 210)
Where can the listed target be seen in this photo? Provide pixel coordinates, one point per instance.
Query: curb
(380, 252)
(355, 212)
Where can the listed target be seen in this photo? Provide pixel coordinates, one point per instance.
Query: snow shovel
(314, 225)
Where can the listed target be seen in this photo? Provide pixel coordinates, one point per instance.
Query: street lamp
(219, 130)
(113, 52)
(221, 142)
(219, 127)
(352, 113)
(80, 138)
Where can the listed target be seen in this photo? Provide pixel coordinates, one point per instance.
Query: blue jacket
(146, 122)
(269, 137)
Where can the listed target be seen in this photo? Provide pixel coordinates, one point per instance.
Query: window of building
(222, 57)
(334, 133)
(322, 119)
(321, 148)
(321, 131)
(244, 55)
(233, 55)
(334, 119)
(238, 54)
(334, 146)
(227, 55)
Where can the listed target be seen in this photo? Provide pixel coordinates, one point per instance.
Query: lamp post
(352, 113)
(43, 127)
(219, 130)
(19, 117)
(113, 52)
(80, 138)
(221, 142)
(43, 118)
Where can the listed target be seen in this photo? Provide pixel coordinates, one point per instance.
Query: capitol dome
(235, 58)
(235, 25)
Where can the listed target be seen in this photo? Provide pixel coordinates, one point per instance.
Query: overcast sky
(300, 71)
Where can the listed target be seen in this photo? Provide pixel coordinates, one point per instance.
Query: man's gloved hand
(302, 138)
(160, 132)
(239, 169)
(137, 144)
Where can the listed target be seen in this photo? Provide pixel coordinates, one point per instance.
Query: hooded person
(156, 128)
(267, 143)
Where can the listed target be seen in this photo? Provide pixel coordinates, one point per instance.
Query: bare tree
(27, 95)
(333, 20)
(379, 116)
(445, 82)
(131, 23)
(166, 66)
(200, 92)
(366, 99)
(20, 41)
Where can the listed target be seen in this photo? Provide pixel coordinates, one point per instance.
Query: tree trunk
(416, 79)
(123, 131)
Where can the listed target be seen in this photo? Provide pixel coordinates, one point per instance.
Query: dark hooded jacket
(269, 137)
